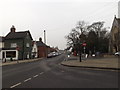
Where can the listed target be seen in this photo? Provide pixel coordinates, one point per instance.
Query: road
(48, 73)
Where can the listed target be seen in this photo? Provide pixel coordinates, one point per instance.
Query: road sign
(84, 44)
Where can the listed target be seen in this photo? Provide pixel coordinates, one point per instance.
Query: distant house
(18, 45)
(1, 46)
(114, 42)
(42, 48)
(34, 50)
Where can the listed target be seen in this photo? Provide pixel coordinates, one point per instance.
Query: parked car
(50, 55)
(54, 54)
(117, 53)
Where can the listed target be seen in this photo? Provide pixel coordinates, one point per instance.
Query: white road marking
(41, 73)
(27, 79)
(35, 76)
(15, 85)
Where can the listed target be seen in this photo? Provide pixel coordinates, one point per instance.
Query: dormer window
(27, 45)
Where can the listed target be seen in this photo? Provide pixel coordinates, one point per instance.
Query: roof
(2, 39)
(17, 35)
(116, 23)
(39, 43)
(118, 20)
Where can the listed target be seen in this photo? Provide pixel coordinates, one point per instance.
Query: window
(13, 45)
(10, 54)
(27, 45)
(34, 49)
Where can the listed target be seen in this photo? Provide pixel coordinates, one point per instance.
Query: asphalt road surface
(48, 73)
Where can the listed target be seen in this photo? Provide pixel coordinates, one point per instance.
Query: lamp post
(80, 52)
(79, 48)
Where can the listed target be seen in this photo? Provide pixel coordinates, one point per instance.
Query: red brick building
(42, 48)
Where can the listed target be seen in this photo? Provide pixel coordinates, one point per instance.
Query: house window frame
(13, 45)
(27, 45)
(10, 54)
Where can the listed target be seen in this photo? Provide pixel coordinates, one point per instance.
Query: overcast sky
(57, 17)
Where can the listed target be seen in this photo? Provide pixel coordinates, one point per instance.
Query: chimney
(40, 39)
(12, 29)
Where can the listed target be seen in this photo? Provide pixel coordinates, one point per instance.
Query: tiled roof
(39, 43)
(118, 20)
(1, 39)
(16, 35)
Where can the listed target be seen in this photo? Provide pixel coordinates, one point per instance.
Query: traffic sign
(84, 44)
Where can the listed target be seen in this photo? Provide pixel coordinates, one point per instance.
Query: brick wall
(42, 52)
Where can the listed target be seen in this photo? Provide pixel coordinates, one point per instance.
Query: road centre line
(15, 85)
(27, 79)
(35, 76)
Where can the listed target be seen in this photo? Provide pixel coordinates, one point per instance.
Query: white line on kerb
(41, 73)
(35, 76)
(15, 85)
(27, 79)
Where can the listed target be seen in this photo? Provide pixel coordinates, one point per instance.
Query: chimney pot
(12, 29)
(40, 39)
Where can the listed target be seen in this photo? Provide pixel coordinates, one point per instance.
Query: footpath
(18, 61)
(112, 63)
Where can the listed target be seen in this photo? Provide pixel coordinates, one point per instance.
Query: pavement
(73, 61)
(18, 61)
(112, 63)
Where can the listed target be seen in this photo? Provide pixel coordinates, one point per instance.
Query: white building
(1, 46)
(4, 53)
(34, 50)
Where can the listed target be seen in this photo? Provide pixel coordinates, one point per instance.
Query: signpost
(84, 44)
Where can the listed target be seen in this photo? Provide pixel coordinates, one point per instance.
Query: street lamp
(80, 51)
(79, 48)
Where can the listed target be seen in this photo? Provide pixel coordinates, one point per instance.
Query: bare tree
(97, 27)
(72, 37)
(81, 27)
(77, 34)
